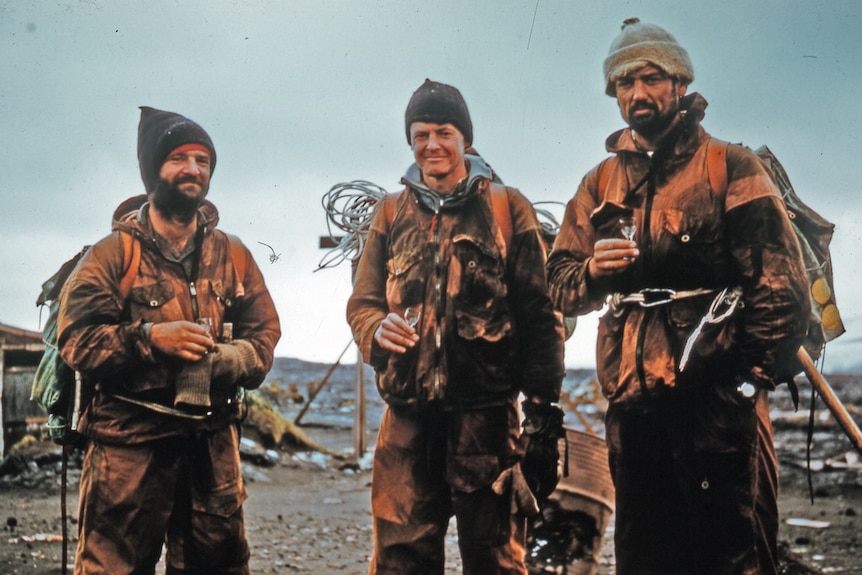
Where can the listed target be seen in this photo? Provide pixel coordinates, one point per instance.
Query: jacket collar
(682, 141)
(132, 215)
(478, 171)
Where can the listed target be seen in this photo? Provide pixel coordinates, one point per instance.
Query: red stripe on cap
(189, 148)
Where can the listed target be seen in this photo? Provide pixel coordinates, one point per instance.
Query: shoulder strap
(238, 255)
(604, 170)
(502, 213)
(131, 262)
(389, 207)
(499, 204)
(716, 165)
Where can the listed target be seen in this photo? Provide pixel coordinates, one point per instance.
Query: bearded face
(183, 183)
(171, 199)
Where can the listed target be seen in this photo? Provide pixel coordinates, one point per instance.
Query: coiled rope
(348, 208)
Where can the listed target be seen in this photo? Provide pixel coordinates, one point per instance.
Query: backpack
(58, 388)
(814, 234)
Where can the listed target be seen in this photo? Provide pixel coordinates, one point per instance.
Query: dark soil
(310, 513)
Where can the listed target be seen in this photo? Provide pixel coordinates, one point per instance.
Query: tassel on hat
(160, 133)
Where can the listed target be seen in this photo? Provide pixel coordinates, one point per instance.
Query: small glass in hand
(412, 315)
(628, 229)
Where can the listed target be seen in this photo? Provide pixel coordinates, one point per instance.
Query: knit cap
(160, 133)
(439, 104)
(640, 44)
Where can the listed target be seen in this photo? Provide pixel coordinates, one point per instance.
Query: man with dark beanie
(450, 307)
(702, 305)
(167, 319)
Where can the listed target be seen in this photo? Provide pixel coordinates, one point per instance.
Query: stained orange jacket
(100, 333)
(689, 237)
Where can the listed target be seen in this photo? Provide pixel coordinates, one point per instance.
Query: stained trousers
(182, 492)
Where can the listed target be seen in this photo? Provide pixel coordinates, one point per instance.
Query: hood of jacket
(130, 217)
(478, 171)
(679, 144)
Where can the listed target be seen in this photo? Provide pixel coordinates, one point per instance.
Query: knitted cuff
(193, 384)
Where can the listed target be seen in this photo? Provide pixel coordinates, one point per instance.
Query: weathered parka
(488, 329)
(100, 334)
(689, 236)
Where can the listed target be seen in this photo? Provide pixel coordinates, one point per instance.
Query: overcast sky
(301, 95)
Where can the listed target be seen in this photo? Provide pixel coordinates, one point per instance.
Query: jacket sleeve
(92, 335)
(540, 342)
(255, 322)
(572, 292)
(367, 306)
(769, 263)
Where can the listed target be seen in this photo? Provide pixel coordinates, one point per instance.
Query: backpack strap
(131, 262)
(502, 213)
(716, 165)
(604, 170)
(238, 255)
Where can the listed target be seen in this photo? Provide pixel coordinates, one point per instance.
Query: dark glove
(232, 363)
(543, 426)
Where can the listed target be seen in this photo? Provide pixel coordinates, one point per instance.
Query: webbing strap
(499, 205)
(131, 262)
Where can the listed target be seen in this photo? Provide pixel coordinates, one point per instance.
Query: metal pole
(832, 402)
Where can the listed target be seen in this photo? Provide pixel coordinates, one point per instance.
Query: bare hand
(395, 334)
(611, 256)
(183, 339)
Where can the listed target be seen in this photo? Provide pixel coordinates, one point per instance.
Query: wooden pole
(359, 413)
(832, 402)
(320, 385)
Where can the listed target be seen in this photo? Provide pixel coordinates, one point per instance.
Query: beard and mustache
(172, 202)
(652, 125)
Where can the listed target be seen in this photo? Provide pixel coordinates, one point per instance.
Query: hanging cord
(348, 208)
(809, 440)
(547, 220)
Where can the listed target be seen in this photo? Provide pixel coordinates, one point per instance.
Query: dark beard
(654, 125)
(172, 203)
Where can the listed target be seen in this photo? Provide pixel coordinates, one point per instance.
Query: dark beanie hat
(160, 133)
(439, 104)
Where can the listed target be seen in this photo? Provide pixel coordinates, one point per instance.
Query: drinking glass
(412, 316)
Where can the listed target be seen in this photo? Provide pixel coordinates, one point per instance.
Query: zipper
(646, 240)
(436, 390)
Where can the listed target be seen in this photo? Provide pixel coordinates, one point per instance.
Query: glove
(232, 363)
(512, 480)
(543, 426)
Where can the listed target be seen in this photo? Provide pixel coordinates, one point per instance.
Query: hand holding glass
(628, 228)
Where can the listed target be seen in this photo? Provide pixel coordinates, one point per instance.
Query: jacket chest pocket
(477, 290)
(693, 241)
(406, 278)
(155, 302)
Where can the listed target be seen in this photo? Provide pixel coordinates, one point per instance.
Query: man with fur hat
(467, 254)
(162, 426)
(702, 306)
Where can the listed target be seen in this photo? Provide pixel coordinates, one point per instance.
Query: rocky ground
(309, 512)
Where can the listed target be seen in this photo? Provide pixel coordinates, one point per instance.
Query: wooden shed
(20, 352)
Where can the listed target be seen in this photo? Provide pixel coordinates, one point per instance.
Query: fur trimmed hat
(439, 104)
(640, 44)
(160, 133)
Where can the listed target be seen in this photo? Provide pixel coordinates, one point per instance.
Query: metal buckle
(653, 297)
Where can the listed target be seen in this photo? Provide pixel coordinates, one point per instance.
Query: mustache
(642, 106)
